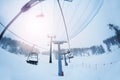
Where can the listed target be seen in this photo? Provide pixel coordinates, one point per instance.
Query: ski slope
(101, 67)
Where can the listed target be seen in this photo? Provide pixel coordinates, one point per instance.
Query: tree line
(17, 47)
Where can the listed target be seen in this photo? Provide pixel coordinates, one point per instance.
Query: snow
(101, 67)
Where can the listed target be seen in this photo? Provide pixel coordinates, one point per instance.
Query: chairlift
(41, 13)
(70, 55)
(32, 58)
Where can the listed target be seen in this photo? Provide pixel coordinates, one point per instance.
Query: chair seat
(32, 62)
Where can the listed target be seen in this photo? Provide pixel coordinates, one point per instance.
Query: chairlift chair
(70, 55)
(32, 58)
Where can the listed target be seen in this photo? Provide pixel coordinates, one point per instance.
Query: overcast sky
(28, 24)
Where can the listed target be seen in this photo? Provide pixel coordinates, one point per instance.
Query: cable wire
(74, 12)
(82, 13)
(95, 12)
(65, 25)
(22, 38)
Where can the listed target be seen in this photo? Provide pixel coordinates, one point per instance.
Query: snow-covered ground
(101, 67)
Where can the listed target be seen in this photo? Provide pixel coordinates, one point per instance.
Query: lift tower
(60, 71)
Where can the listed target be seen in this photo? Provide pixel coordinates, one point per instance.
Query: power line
(88, 21)
(74, 12)
(85, 9)
(21, 37)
